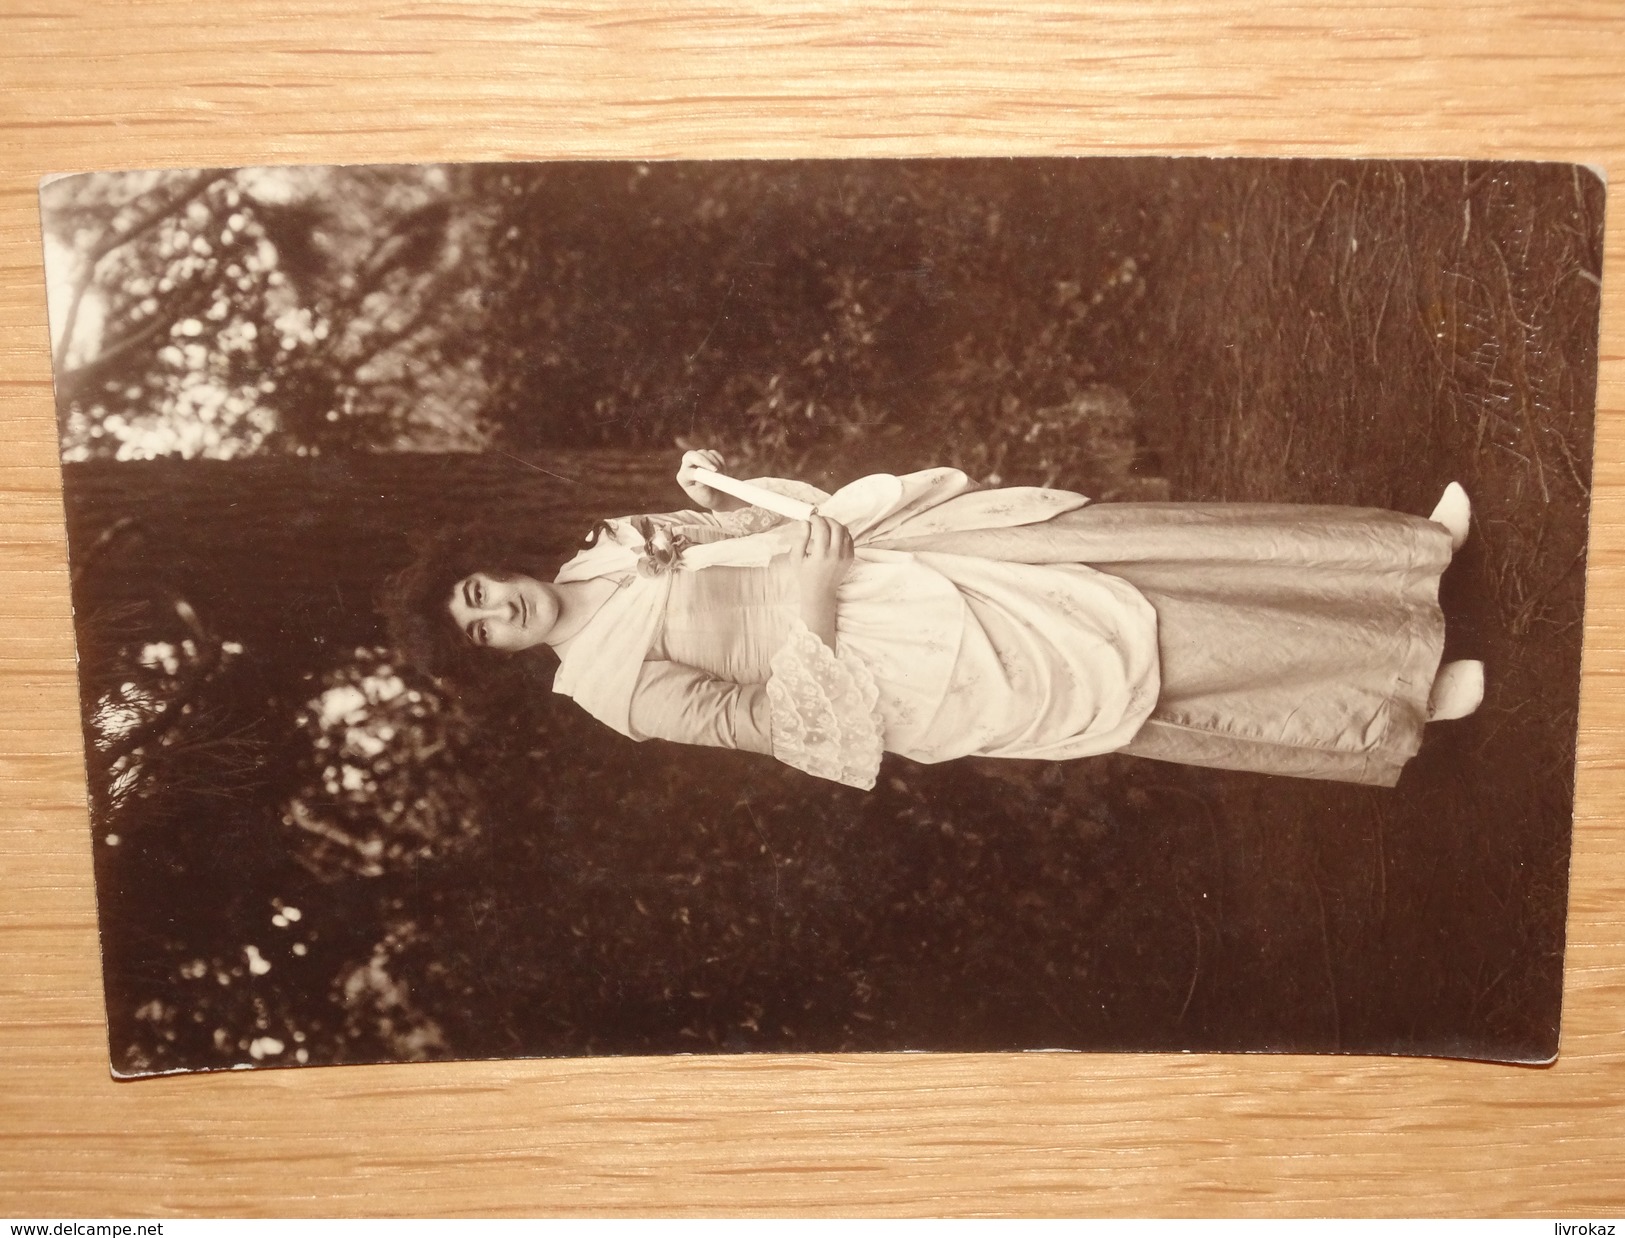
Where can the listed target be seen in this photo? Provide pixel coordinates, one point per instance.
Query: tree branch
(104, 540)
(185, 301)
(143, 734)
(381, 340)
(194, 189)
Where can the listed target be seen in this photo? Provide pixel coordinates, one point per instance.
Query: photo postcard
(1112, 604)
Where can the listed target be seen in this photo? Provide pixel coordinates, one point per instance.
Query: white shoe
(1454, 511)
(1458, 689)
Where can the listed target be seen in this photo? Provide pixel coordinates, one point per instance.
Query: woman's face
(508, 613)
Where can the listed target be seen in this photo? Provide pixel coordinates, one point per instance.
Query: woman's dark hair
(415, 602)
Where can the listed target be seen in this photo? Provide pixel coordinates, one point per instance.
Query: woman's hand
(691, 474)
(823, 557)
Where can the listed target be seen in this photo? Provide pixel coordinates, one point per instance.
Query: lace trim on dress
(825, 721)
(744, 521)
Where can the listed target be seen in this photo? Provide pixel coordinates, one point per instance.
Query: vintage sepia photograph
(1112, 604)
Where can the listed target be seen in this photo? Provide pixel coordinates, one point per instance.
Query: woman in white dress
(924, 616)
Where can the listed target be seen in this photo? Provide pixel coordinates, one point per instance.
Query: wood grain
(116, 83)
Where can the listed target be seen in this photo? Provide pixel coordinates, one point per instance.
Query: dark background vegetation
(270, 382)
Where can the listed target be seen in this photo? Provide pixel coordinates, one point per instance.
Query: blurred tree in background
(960, 314)
(805, 315)
(220, 313)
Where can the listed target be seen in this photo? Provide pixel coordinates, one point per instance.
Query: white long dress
(1022, 623)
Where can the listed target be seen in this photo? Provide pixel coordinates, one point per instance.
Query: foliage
(384, 784)
(962, 312)
(945, 313)
(301, 310)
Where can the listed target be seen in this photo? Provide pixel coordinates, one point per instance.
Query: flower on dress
(662, 549)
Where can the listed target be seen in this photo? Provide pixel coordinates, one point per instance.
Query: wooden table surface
(140, 83)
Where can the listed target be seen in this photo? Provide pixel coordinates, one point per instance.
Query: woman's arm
(691, 477)
(679, 703)
(823, 557)
(817, 712)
